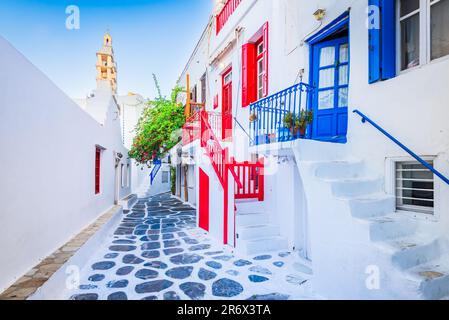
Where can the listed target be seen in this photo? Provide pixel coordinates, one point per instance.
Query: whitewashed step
(262, 245)
(351, 188)
(251, 219)
(257, 231)
(433, 277)
(339, 170)
(374, 205)
(409, 252)
(392, 226)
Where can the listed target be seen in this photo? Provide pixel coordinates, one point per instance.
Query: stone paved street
(158, 253)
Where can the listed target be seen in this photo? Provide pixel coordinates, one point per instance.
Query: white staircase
(255, 233)
(412, 247)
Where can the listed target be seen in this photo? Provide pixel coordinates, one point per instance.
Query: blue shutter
(374, 47)
(388, 31)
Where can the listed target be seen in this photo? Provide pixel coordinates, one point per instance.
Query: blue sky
(149, 36)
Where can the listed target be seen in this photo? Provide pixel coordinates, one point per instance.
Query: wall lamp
(319, 14)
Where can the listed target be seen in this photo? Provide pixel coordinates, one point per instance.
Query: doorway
(330, 76)
(227, 105)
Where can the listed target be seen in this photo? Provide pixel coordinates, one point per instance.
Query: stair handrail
(155, 170)
(223, 152)
(402, 146)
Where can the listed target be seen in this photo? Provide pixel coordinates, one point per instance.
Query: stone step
(433, 278)
(374, 205)
(257, 231)
(251, 219)
(262, 245)
(353, 188)
(339, 169)
(412, 251)
(392, 226)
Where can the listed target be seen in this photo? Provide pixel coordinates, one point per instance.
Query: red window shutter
(265, 58)
(97, 170)
(249, 74)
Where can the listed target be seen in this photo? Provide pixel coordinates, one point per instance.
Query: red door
(227, 105)
(204, 201)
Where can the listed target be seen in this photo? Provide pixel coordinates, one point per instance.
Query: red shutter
(97, 170)
(249, 76)
(265, 58)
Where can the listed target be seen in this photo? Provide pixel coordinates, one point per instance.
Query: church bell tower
(106, 67)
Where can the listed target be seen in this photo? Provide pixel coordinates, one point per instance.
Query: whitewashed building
(364, 203)
(64, 163)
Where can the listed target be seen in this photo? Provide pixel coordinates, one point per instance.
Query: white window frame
(425, 45)
(390, 185)
(260, 71)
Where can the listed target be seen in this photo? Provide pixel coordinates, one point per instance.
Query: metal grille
(414, 187)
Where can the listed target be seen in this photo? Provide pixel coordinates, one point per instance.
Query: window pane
(343, 98)
(327, 78)
(326, 99)
(344, 53)
(327, 56)
(260, 48)
(343, 75)
(410, 42)
(439, 25)
(408, 6)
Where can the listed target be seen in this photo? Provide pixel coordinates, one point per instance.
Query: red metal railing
(252, 179)
(191, 131)
(225, 13)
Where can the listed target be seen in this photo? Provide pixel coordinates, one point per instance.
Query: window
(165, 176)
(422, 31)
(203, 89)
(97, 169)
(409, 21)
(122, 174)
(414, 187)
(439, 26)
(128, 175)
(255, 67)
(260, 69)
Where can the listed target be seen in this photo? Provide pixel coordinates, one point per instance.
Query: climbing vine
(158, 129)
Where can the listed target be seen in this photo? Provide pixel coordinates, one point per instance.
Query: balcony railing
(192, 129)
(267, 115)
(226, 12)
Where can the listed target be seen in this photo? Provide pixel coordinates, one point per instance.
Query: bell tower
(106, 67)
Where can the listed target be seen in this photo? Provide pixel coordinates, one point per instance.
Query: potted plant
(305, 118)
(289, 123)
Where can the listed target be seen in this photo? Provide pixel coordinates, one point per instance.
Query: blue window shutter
(388, 39)
(374, 46)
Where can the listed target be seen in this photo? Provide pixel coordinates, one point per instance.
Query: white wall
(47, 166)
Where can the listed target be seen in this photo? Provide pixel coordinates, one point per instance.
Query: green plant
(158, 129)
(305, 118)
(288, 120)
(173, 180)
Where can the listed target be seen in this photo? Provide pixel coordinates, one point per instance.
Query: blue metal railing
(402, 146)
(157, 166)
(267, 115)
